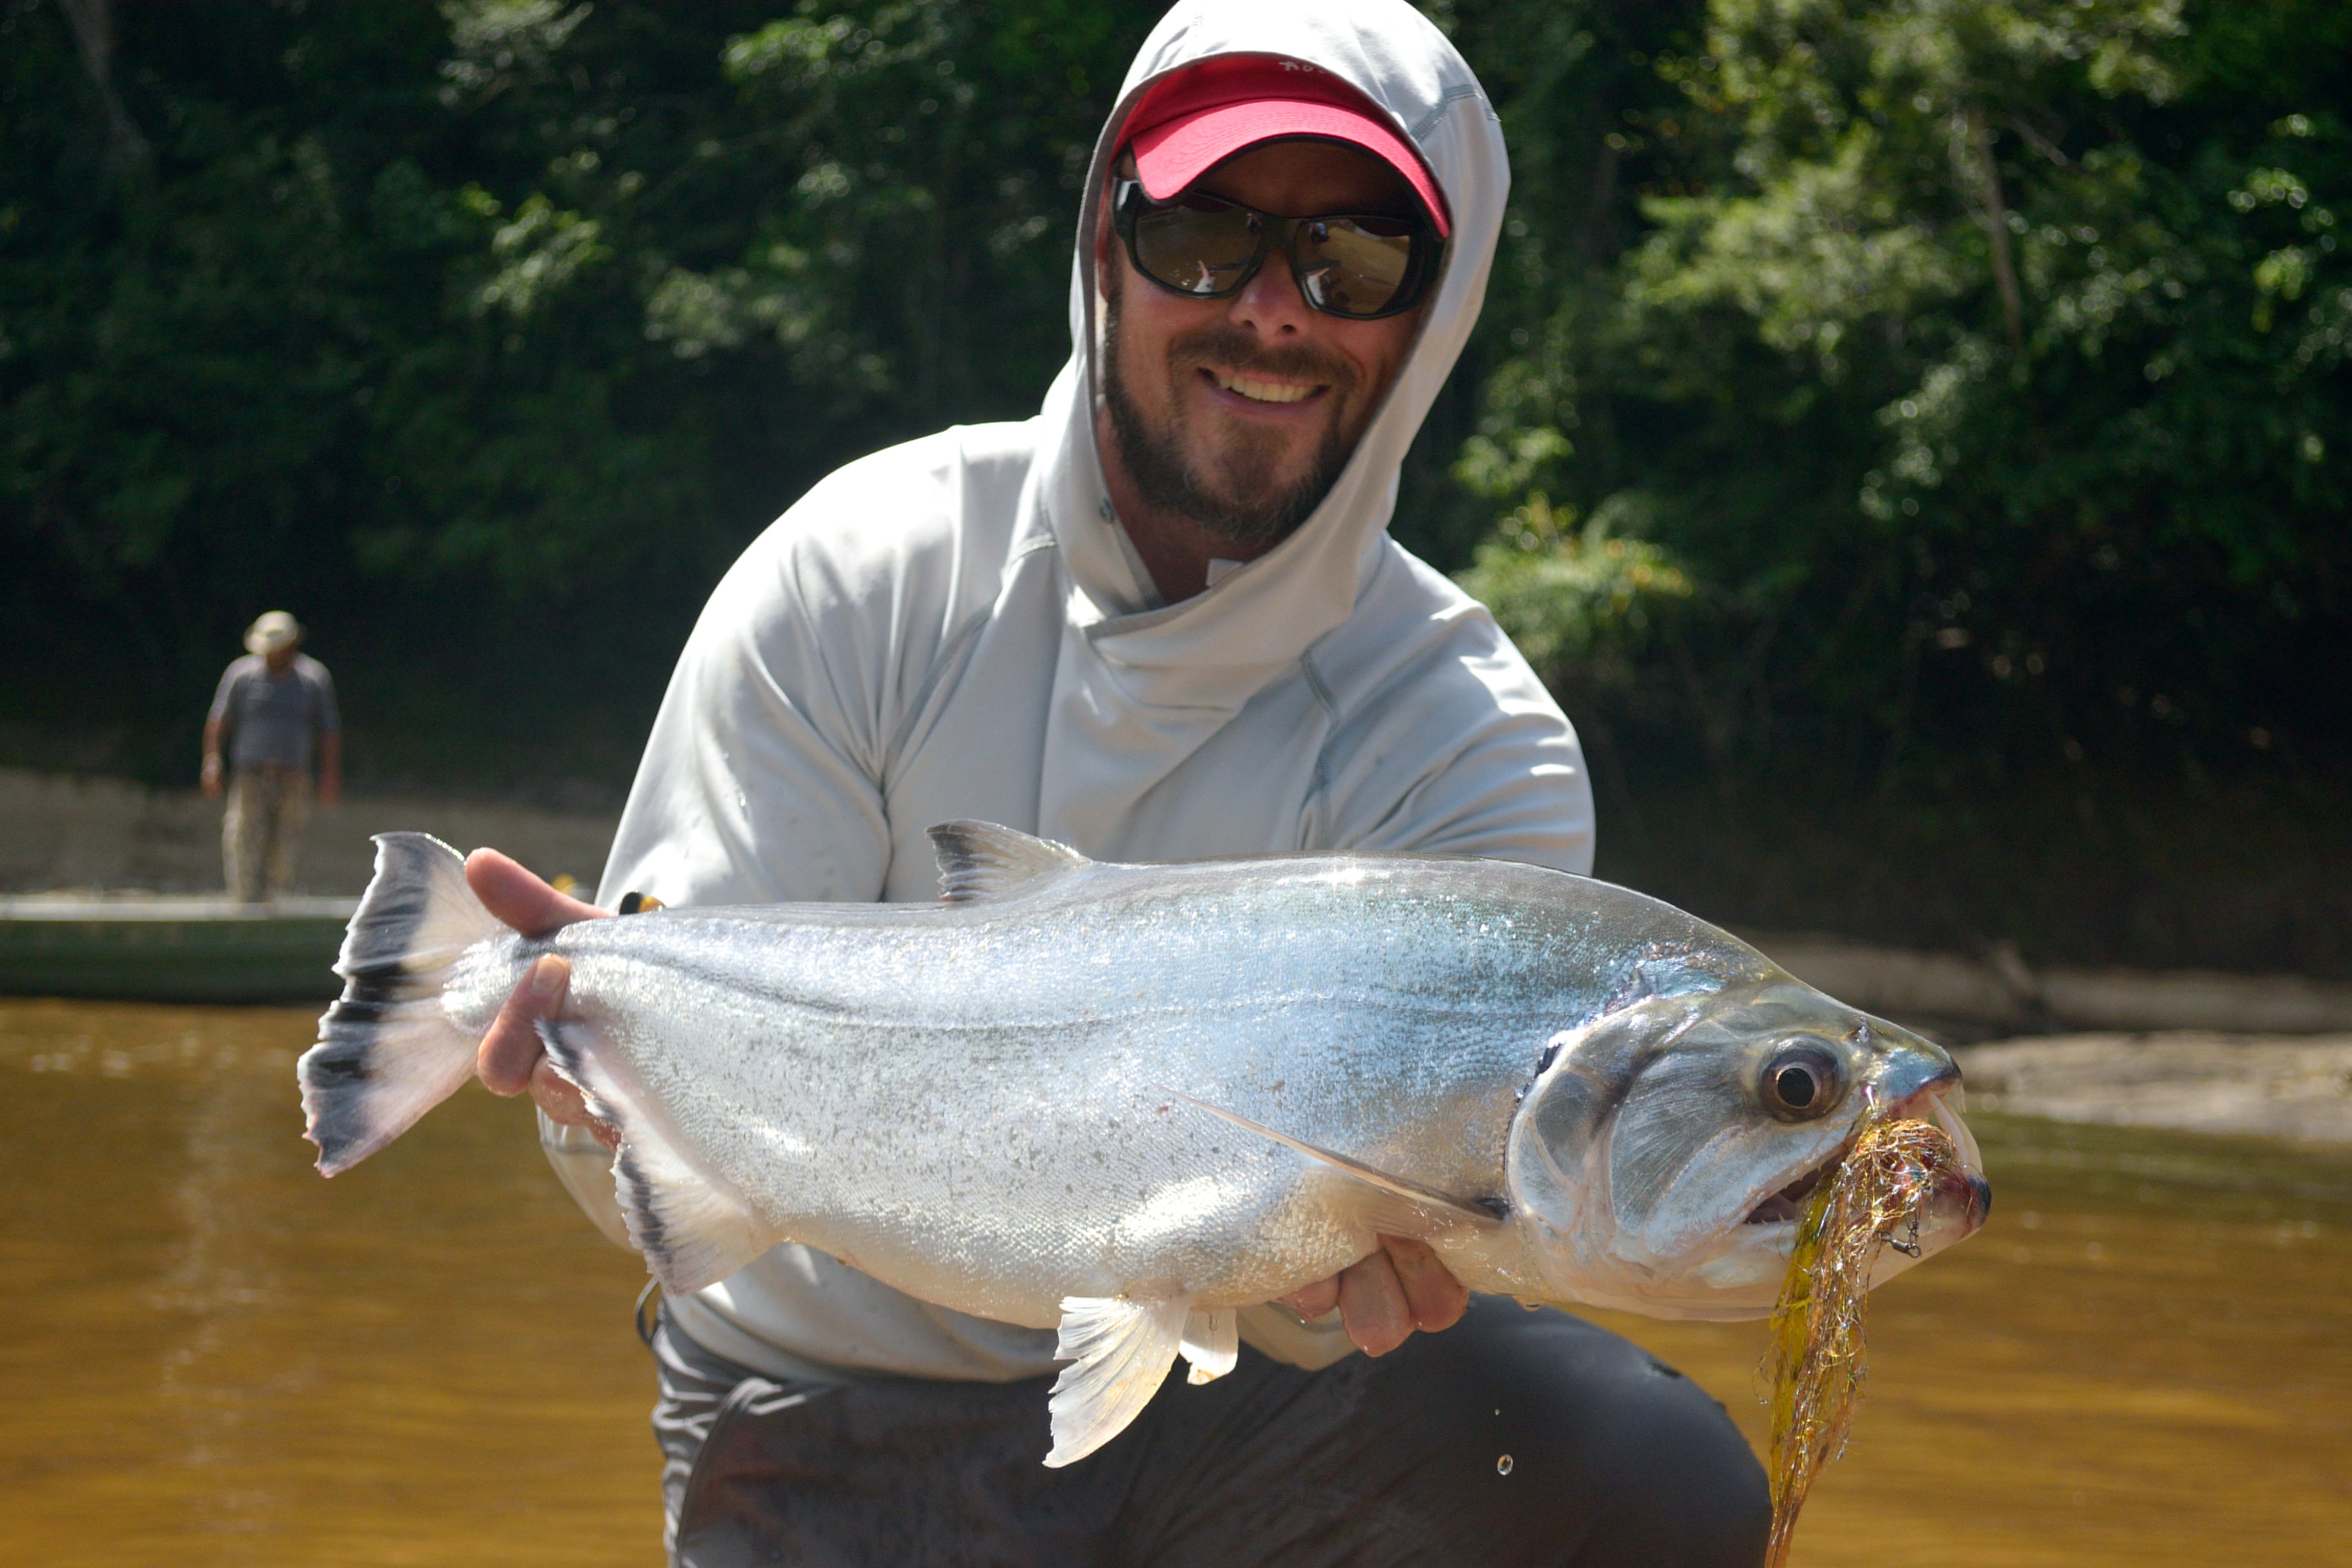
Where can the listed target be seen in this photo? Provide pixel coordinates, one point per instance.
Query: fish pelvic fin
(387, 1052)
(980, 860)
(1119, 1352)
(693, 1229)
(1212, 1342)
(1388, 1204)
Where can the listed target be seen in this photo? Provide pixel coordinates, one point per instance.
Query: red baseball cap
(1196, 119)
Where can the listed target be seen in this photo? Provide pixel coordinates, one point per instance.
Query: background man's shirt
(272, 721)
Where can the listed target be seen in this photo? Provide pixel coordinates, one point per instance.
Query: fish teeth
(1262, 391)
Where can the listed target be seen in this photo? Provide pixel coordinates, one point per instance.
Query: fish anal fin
(1391, 1204)
(1212, 1342)
(980, 860)
(1119, 1352)
(692, 1230)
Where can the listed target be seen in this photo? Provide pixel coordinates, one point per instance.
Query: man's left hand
(1384, 1297)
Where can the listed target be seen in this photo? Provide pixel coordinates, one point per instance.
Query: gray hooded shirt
(958, 627)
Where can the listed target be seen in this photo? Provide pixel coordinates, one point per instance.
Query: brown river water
(214, 1356)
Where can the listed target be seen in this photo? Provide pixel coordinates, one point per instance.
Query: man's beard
(1239, 500)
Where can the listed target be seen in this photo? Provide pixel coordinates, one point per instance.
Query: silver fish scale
(971, 1102)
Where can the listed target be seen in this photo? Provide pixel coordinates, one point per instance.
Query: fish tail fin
(388, 1052)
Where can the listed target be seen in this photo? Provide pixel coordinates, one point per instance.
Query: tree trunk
(93, 29)
(1987, 174)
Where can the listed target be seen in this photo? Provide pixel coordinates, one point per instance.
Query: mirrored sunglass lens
(1201, 251)
(1350, 269)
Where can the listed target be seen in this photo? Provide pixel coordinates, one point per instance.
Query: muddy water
(213, 1356)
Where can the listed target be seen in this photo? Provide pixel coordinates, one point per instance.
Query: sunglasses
(1360, 266)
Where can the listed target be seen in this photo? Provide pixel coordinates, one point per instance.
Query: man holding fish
(1161, 621)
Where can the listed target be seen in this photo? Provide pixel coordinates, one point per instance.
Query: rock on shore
(2200, 1082)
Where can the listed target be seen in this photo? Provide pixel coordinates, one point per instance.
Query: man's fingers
(562, 1102)
(509, 1060)
(511, 1049)
(520, 898)
(1372, 1307)
(1315, 1299)
(1433, 1296)
(513, 1058)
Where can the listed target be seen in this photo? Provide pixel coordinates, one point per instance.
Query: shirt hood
(1140, 685)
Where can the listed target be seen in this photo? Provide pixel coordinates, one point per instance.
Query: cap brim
(1172, 155)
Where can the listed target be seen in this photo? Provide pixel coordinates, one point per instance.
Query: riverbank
(2255, 1054)
(106, 835)
(2264, 1086)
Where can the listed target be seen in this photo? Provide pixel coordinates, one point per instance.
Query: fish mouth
(1783, 1205)
(1933, 1103)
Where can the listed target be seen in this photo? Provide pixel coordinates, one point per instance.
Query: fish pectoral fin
(1212, 1342)
(1391, 1204)
(980, 860)
(692, 1230)
(1119, 1352)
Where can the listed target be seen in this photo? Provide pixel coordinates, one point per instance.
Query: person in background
(274, 710)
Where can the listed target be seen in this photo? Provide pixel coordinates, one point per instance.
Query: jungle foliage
(1911, 435)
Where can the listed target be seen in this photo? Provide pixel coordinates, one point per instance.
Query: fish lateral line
(1486, 1214)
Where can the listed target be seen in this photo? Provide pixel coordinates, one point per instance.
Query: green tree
(460, 330)
(1981, 372)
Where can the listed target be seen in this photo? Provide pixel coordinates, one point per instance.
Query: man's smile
(1258, 389)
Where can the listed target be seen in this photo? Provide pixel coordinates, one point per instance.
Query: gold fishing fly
(1875, 1201)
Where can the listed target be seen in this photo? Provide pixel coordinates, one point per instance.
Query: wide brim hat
(271, 632)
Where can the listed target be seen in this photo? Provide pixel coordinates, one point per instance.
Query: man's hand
(209, 777)
(1383, 1298)
(511, 1058)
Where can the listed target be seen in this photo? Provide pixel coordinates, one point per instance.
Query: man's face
(1239, 413)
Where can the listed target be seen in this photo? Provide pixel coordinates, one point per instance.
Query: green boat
(152, 948)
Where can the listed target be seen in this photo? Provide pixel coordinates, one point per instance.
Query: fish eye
(1800, 1083)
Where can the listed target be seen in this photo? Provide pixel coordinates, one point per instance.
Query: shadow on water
(214, 1356)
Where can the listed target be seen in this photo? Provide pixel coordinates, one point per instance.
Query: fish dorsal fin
(980, 860)
(1402, 1205)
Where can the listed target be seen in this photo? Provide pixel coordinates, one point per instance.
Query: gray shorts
(1614, 1459)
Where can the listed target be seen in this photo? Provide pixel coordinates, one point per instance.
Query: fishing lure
(1816, 1359)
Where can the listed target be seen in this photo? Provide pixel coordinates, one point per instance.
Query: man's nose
(1270, 303)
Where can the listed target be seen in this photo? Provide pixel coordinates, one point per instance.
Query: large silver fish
(1125, 1100)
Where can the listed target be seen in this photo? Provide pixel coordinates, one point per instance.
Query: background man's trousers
(262, 834)
(1615, 1459)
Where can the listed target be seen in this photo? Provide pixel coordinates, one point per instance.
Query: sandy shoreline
(2266, 1085)
(2263, 1055)
(102, 834)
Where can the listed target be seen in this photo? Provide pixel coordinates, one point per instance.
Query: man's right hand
(511, 1059)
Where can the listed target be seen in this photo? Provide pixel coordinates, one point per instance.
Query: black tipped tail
(387, 1052)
